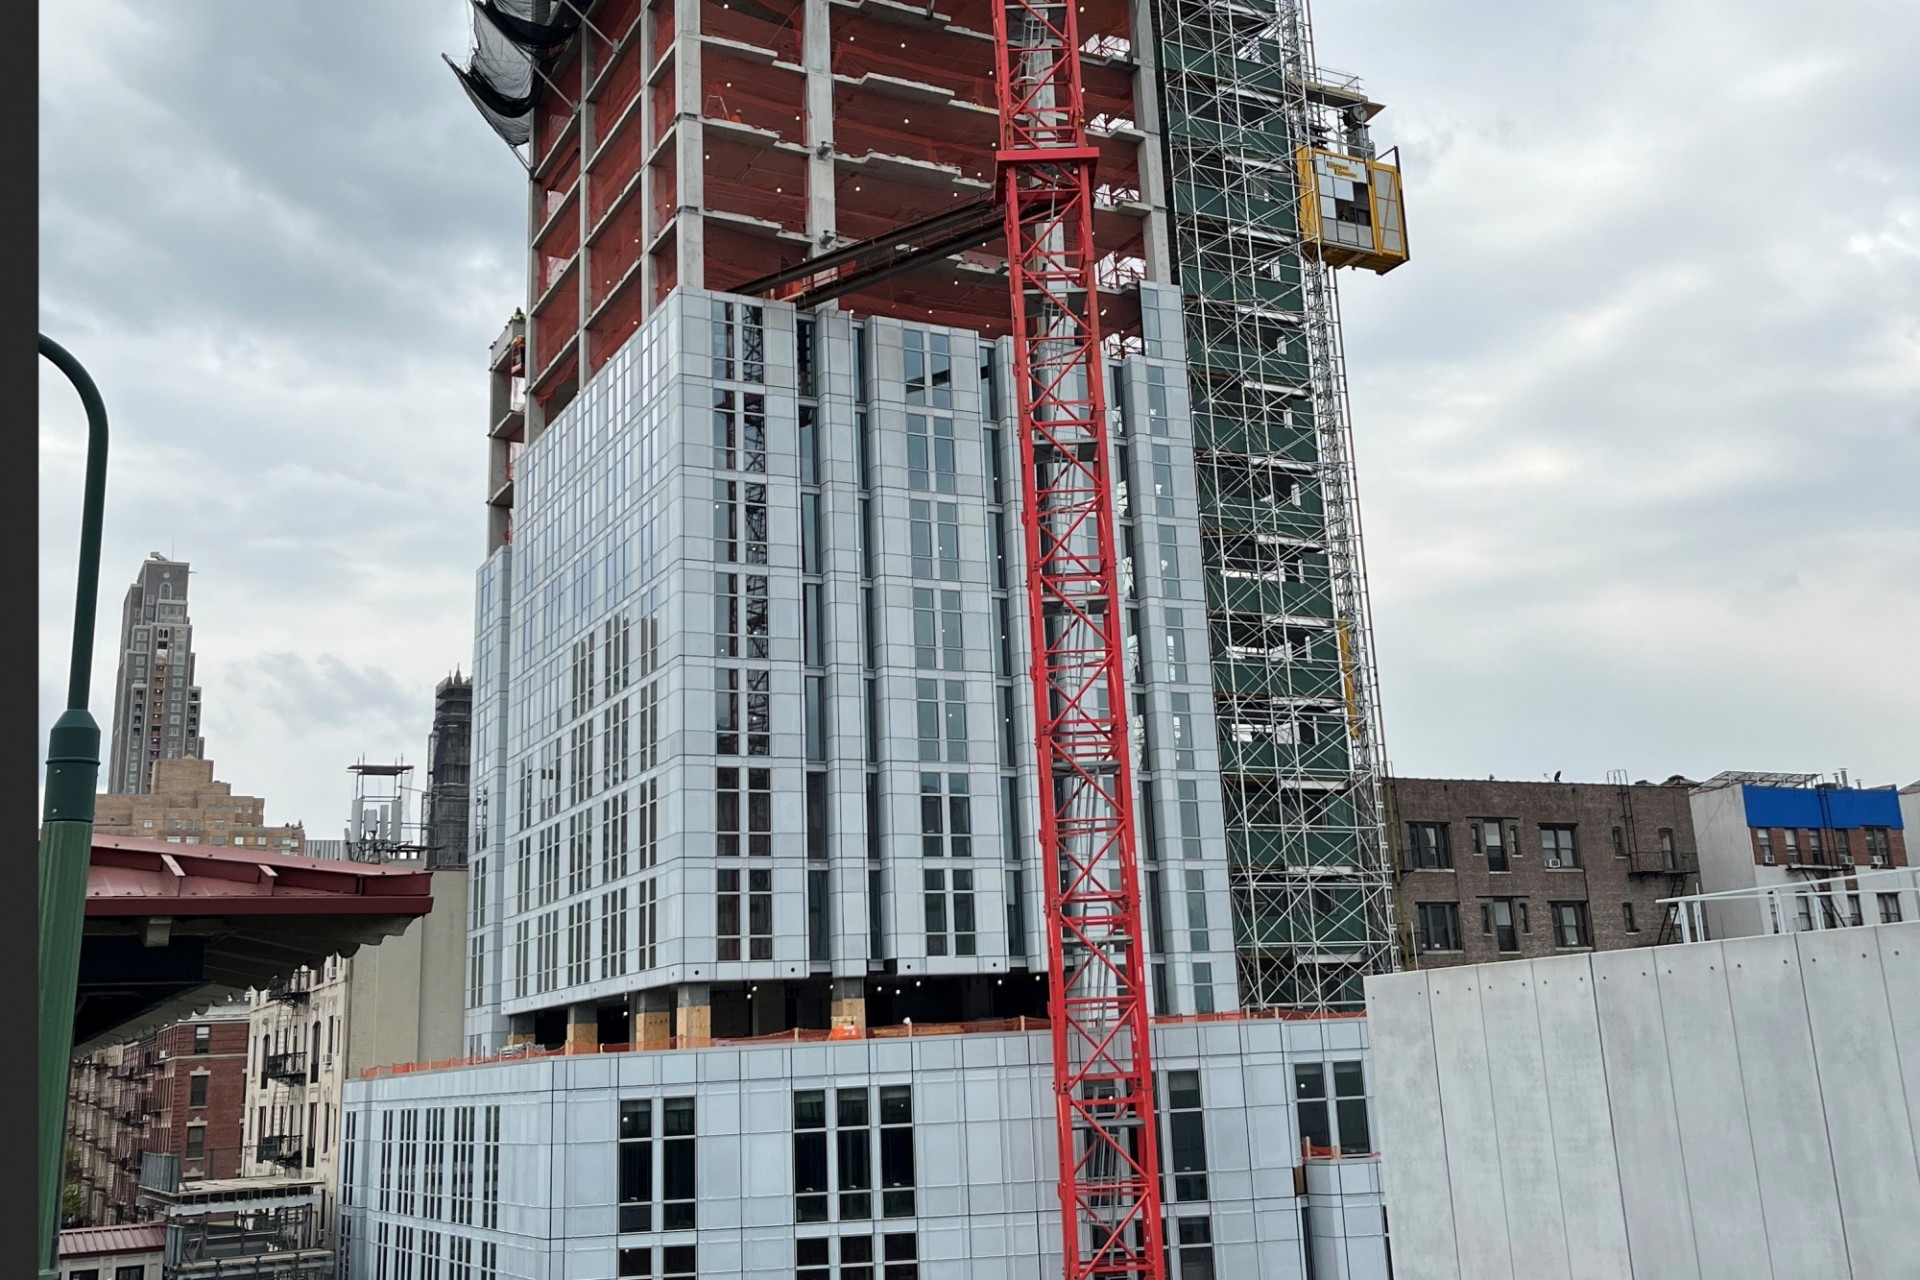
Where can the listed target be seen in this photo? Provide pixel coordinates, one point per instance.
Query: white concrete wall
(406, 997)
(1725, 842)
(1714, 1111)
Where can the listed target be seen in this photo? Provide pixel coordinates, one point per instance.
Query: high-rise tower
(156, 704)
(444, 812)
(753, 729)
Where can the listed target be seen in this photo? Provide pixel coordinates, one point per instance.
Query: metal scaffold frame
(1291, 631)
(1103, 1080)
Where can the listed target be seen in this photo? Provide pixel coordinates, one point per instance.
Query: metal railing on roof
(1849, 900)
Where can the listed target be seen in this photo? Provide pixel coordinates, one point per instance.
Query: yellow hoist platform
(1351, 215)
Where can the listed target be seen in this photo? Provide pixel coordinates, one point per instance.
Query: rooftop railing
(1848, 900)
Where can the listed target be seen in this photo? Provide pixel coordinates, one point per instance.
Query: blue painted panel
(1799, 807)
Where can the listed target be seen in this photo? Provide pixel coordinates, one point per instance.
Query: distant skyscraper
(449, 763)
(156, 704)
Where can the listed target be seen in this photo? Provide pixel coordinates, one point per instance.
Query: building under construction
(764, 958)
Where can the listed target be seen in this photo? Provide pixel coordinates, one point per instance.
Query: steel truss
(1291, 633)
(1109, 1156)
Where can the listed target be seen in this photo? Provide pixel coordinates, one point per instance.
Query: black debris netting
(509, 38)
(515, 20)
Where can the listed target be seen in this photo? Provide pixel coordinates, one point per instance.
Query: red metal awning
(134, 877)
(172, 928)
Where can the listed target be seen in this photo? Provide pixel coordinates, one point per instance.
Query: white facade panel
(1529, 1172)
(1473, 1129)
(1736, 1109)
(984, 1199)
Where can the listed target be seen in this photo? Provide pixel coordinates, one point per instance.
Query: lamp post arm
(94, 501)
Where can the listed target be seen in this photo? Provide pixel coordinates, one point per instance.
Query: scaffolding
(1291, 634)
(382, 798)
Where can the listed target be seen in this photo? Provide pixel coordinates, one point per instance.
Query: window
(726, 913)
(1570, 924)
(946, 821)
(203, 1039)
(740, 615)
(896, 1150)
(739, 438)
(197, 1089)
(933, 530)
(1557, 848)
(1186, 1136)
(1790, 841)
(1490, 839)
(613, 934)
(941, 720)
(1669, 855)
(1497, 921)
(636, 1263)
(1626, 918)
(938, 633)
(1428, 847)
(131, 1271)
(727, 721)
(432, 1193)
(739, 351)
(461, 1196)
(1194, 1238)
(853, 1142)
(898, 1251)
(1439, 926)
(1889, 907)
(1878, 853)
(1619, 843)
(930, 453)
(810, 1155)
(677, 1166)
(927, 361)
(679, 1262)
(196, 1141)
(636, 1166)
(1763, 841)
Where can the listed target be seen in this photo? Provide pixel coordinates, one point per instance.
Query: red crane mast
(1103, 1082)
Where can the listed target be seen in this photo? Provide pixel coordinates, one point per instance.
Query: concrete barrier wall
(1715, 1111)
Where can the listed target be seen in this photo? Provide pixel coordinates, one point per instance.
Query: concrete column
(583, 1028)
(690, 144)
(1146, 114)
(651, 1015)
(849, 1008)
(692, 1015)
(816, 52)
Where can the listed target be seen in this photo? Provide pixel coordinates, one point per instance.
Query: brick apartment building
(187, 806)
(1490, 870)
(1785, 830)
(179, 1090)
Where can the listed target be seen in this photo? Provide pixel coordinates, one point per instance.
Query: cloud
(1636, 428)
(281, 242)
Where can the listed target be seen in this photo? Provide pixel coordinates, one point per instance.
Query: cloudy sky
(1638, 428)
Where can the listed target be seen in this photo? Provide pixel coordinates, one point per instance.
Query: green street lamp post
(66, 833)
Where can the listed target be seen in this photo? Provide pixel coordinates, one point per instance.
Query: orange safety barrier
(847, 1031)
